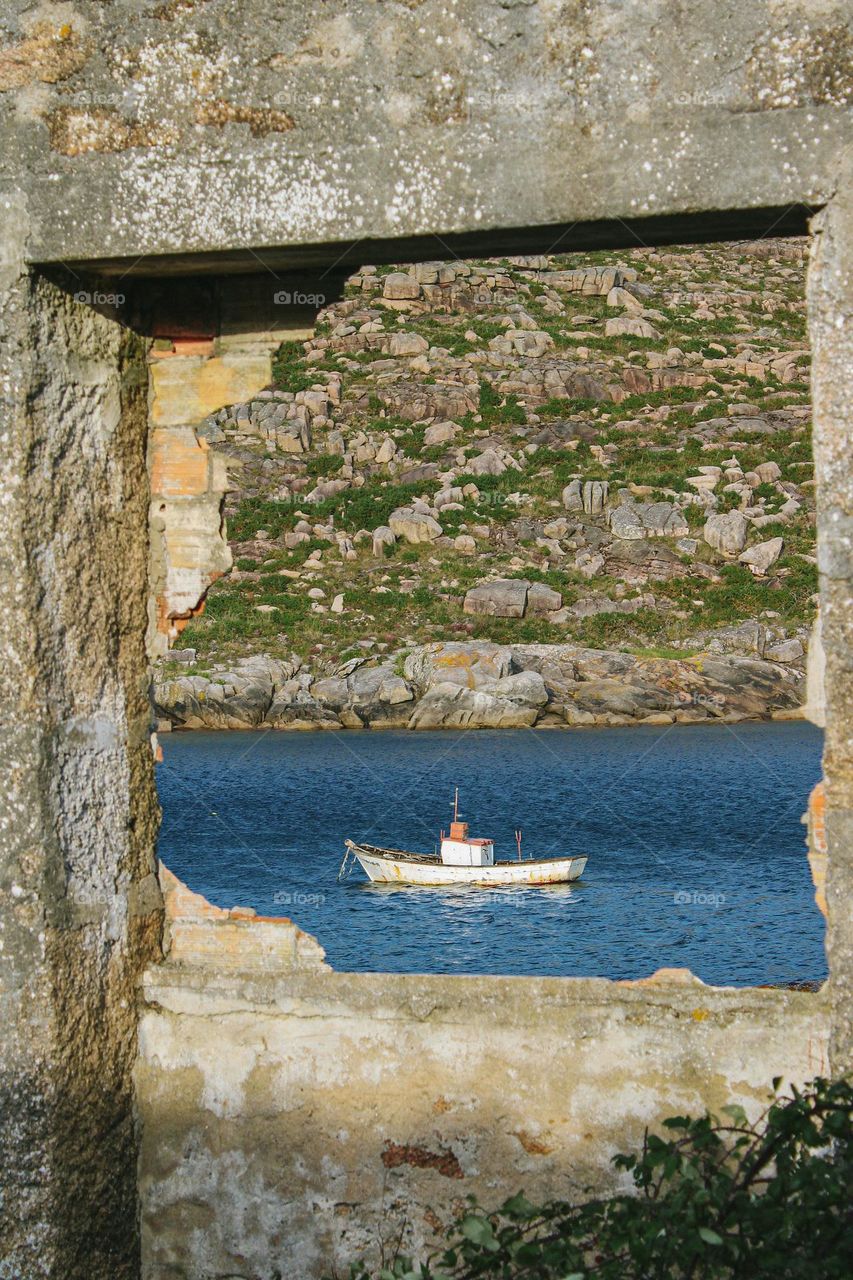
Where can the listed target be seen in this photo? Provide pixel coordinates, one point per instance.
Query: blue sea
(693, 833)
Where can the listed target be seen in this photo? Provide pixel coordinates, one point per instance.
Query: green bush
(713, 1198)
(560, 407)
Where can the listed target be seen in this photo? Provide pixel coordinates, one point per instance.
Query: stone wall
(295, 1119)
(81, 902)
(830, 299)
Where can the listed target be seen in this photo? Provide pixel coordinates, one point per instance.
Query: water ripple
(694, 838)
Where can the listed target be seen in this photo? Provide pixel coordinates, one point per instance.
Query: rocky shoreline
(478, 685)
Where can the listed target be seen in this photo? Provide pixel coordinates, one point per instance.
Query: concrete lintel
(241, 126)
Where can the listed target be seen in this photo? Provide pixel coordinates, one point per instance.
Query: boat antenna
(518, 842)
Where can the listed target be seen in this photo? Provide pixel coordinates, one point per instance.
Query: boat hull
(392, 867)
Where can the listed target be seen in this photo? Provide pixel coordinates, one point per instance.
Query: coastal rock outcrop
(761, 558)
(493, 449)
(374, 696)
(503, 598)
(478, 684)
(589, 496)
(635, 520)
(471, 664)
(514, 702)
(414, 526)
(512, 598)
(239, 697)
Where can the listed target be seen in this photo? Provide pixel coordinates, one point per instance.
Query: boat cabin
(463, 860)
(461, 850)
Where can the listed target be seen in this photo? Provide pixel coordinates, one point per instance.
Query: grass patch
(288, 369)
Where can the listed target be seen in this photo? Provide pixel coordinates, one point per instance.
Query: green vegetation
(324, 465)
(495, 408)
(714, 1198)
(288, 371)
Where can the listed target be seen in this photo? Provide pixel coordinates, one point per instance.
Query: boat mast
(456, 805)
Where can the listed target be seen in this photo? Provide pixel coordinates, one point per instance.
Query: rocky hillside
(604, 452)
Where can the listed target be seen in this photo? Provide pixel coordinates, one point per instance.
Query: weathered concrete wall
(830, 299)
(243, 129)
(81, 902)
(294, 1118)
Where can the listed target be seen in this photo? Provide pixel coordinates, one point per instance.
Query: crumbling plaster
(210, 345)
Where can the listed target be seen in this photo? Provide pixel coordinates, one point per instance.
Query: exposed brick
(444, 1162)
(179, 464)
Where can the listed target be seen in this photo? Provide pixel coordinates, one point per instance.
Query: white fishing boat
(462, 859)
